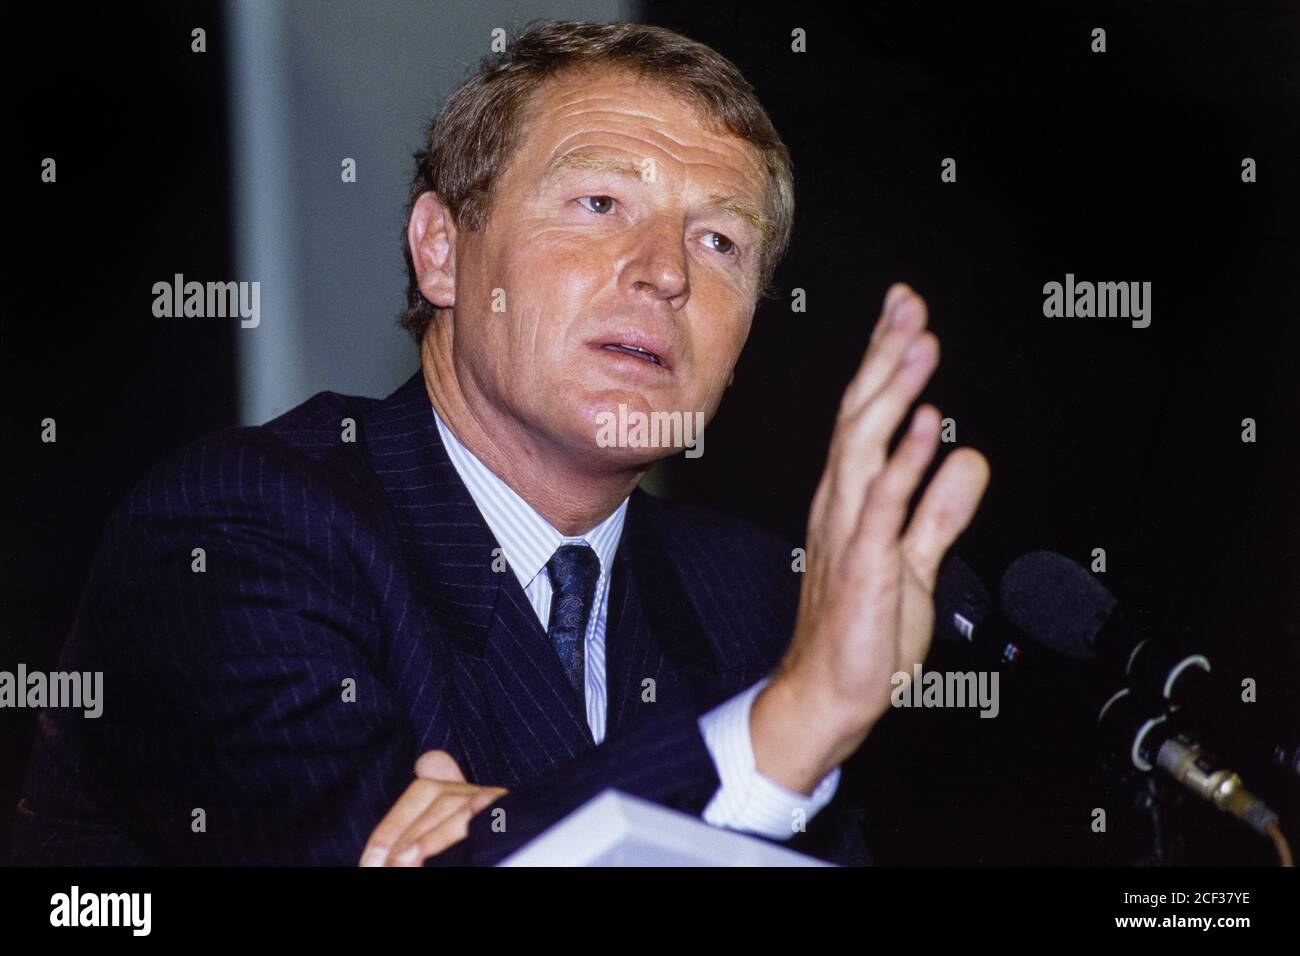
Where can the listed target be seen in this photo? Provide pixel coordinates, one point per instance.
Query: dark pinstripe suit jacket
(329, 562)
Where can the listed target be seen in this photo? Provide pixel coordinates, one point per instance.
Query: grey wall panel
(314, 82)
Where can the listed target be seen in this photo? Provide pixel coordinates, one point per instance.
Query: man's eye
(606, 203)
(723, 244)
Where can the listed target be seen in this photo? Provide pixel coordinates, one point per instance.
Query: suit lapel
(515, 713)
(653, 631)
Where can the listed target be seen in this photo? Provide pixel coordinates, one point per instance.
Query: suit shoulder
(308, 450)
(318, 426)
(693, 529)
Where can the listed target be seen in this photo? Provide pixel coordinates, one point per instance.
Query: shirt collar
(527, 539)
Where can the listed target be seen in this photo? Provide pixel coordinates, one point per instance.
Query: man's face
(620, 223)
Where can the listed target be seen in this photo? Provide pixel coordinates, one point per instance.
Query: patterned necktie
(573, 571)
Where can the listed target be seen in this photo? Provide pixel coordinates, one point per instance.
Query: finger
(485, 798)
(884, 354)
(914, 639)
(885, 507)
(879, 363)
(425, 846)
(438, 765)
(861, 446)
(944, 512)
(884, 413)
(448, 833)
(413, 802)
(447, 802)
(893, 295)
(407, 850)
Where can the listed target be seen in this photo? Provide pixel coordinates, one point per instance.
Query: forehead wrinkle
(568, 110)
(593, 141)
(721, 140)
(584, 85)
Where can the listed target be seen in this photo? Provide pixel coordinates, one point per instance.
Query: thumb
(438, 765)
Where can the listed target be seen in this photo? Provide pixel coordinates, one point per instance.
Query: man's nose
(658, 265)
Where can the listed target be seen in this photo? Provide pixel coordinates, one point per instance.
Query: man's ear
(431, 236)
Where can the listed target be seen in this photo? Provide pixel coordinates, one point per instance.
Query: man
(426, 628)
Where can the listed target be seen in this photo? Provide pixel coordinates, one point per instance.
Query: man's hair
(468, 144)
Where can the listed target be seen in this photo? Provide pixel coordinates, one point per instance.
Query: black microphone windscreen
(1056, 602)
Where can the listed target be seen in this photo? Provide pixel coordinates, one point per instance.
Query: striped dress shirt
(746, 799)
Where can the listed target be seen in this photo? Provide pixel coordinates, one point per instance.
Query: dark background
(1122, 166)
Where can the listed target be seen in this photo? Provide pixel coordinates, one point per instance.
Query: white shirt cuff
(747, 800)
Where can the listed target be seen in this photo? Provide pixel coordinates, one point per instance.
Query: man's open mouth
(643, 354)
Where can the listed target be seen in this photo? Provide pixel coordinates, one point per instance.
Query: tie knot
(573, 570)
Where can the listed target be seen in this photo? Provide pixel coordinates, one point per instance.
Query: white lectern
(614, 829)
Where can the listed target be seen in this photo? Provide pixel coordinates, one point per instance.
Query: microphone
(1156, 739)
(964, 613)
(1059, 604)
(1056, 602)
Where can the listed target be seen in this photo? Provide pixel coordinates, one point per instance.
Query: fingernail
(408, 855)
(913, 351)
(374, 856)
